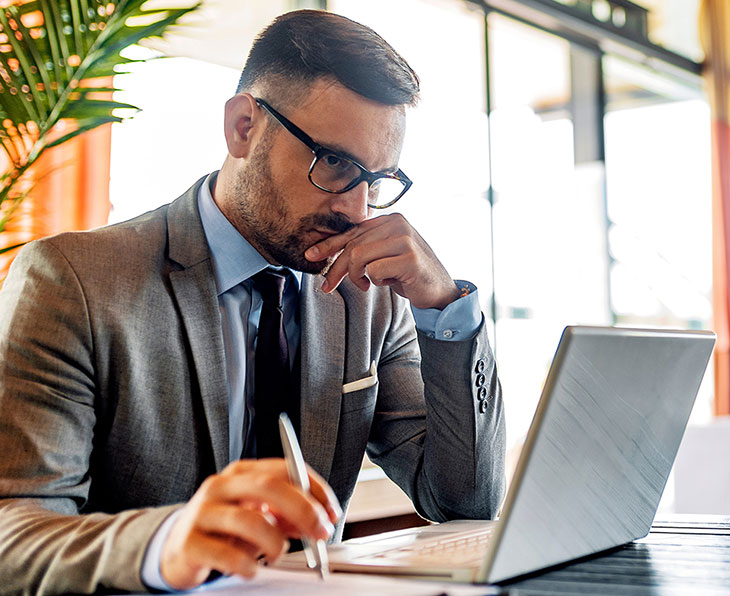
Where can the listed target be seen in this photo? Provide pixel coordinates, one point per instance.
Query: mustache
(336, 222)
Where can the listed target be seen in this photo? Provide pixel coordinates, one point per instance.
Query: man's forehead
(370, 132)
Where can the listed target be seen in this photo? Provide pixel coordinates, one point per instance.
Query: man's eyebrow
(345, 153)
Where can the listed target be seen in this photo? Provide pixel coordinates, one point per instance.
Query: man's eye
(334, 162)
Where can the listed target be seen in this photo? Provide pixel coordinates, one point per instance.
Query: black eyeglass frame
(320, 150)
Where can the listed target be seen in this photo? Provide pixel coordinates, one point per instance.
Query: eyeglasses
(333, 172)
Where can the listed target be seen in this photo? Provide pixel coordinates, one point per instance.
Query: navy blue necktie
(273, 378)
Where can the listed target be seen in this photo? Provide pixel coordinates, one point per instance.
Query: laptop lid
(600, 448)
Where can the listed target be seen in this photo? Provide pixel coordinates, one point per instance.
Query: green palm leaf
(49, 49)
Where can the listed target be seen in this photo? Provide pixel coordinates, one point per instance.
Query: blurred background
(561, 158)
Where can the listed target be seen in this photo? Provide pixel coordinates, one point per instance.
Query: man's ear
(243, 124)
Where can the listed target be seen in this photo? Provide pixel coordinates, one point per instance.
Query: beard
(262, 217)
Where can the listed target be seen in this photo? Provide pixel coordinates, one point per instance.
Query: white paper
(308, 583)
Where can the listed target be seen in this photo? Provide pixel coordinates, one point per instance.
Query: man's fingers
(319, 488)
(250, 526)
(332, 245)
(383, 224)
(188, 562)
(389, 271)
(220, 553)
(358, 258)
(354, 250)
(324, 494)
(246, 512)
(368, 254)
(303, 512)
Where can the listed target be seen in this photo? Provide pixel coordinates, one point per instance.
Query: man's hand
(244, 514)
(387, 251)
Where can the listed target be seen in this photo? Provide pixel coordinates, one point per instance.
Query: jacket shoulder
(144, 234)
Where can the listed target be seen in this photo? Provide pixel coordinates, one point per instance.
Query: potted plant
(53, 56)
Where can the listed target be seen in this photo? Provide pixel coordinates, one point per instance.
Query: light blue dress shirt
(235, 261)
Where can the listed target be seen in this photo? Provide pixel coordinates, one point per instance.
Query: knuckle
(237, 467)
(275, 546)
(229, 517)
(189, 541)
(208, 486)
(309, 515)
(268, 483)
(205, 512)
(346, 253)
(208, 483)
(247, 567)
(398, 219)
(258, 524)
(356, 254)
(231, 467)
(360, 257)
(236, 561)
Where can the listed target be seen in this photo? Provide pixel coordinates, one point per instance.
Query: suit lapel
(322, 318)
(195, 292)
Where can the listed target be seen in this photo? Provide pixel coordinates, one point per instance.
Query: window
(175, 139)
(446, 152)
(549, 232)
(546, 222)
(659, 204)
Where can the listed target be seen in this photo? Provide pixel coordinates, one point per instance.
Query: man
(135, 416)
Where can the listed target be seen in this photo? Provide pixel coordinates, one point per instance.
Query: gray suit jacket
(113, 399)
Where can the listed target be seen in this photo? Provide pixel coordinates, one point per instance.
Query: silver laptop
(591, 473)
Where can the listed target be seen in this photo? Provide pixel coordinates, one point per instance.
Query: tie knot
(270, 284)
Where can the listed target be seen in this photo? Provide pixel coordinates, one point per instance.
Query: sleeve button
(482, 393)
(481, 365)
(481, 379)
(483, 406)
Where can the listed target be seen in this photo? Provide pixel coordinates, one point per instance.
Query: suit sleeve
(438, 429)
(47, 422)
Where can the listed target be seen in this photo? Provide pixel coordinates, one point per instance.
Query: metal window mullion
(587, 107)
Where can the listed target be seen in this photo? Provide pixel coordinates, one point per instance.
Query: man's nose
(353, 204)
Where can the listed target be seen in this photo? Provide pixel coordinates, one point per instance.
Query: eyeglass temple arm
(290, 126)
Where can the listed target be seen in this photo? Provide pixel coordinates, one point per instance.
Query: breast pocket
(360, 393)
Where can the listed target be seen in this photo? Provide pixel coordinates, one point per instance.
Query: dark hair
(305, 45)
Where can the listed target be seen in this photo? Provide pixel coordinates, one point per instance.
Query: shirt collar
(234, 259)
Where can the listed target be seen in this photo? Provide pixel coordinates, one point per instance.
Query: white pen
(314, 550)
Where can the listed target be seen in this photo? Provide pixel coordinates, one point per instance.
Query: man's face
(275, 206)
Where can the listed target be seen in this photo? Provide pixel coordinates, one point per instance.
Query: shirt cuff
(459, 321)
(151, 575)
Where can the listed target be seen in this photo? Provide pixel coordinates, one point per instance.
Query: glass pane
(659, 203)
(446, 153)
(549, 253)
(176, 138)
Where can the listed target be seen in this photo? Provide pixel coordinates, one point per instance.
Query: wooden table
(683, 554)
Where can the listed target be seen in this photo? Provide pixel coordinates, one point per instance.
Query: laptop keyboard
(462, 549)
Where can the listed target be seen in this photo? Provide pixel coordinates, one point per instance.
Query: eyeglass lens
(334, 173)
